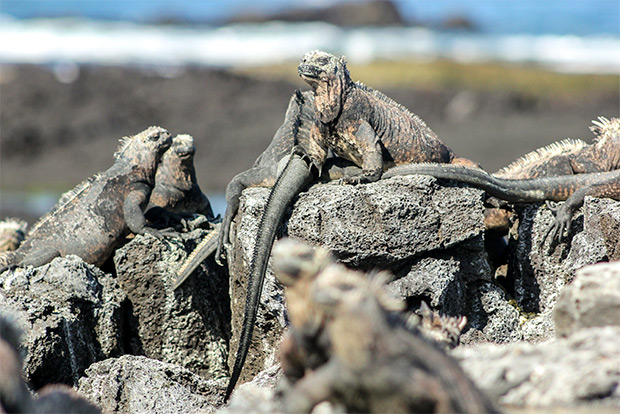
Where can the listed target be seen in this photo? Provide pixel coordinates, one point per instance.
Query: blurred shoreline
(74, 40)
(61, 124)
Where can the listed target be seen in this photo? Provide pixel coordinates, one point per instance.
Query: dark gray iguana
(348, 343)
(176, 186)
(572, 187)
(357, 124)
(177, 194)
(93, 218)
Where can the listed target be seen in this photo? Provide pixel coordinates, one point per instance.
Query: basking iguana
(356, 123)
(93, 218)
(349, 344)
(363, 125)
(572, 187)
(176, 186)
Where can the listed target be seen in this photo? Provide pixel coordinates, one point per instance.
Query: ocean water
(568, 35)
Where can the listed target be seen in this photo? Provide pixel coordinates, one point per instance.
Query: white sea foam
(44, 41)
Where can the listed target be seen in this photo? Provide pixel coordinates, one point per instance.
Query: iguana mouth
(309, 72)
(185, 151)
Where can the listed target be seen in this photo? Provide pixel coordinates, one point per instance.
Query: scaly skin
(355, 349)
(12, 234)
(93, 218)
(571, 156)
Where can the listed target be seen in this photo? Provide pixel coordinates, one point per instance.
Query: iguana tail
(204, 249)
(527, 190)
(297, 174)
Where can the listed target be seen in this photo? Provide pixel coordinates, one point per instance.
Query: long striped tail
(204, 249)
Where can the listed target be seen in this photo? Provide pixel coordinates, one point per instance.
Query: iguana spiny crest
(571, 156)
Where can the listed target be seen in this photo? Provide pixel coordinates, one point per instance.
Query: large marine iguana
(93, 218)
(356, 123)
(566, 171)
(363, 125)
(348, 343)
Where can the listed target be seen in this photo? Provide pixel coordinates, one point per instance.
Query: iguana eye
(154, 137)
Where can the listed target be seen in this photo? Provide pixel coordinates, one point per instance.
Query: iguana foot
(563, 216)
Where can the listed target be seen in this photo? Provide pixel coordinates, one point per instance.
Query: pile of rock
(544, 337)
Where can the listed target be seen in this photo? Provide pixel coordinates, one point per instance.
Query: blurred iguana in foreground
(349, 344)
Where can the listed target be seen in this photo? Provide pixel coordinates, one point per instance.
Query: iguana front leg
(133, 210)
(371, 156)
(315, 387)
(254, 177)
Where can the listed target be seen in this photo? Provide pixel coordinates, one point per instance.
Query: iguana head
(329, 77)
(153, 139)
(294, 261)
(180, 152)
(183, 146)
(176, 168)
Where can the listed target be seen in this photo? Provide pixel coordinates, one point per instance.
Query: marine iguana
(363, 125)
(176, 186)
(349, 344)
(93, 218)
(294, 131)
(559, 172)
(356, 123)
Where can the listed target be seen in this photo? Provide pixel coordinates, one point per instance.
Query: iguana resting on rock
(294, 131)
(572, 187)
(356, 123)
(176, 186)
(363, 125)
(93, 218)
(349, 344)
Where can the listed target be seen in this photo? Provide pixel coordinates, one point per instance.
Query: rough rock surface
(429, 235)
(261, 396)
(136, 384)
(71, 314)
(583, 368)
(592, 299)
(189, 326)
(538, 274)
(593, 237)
